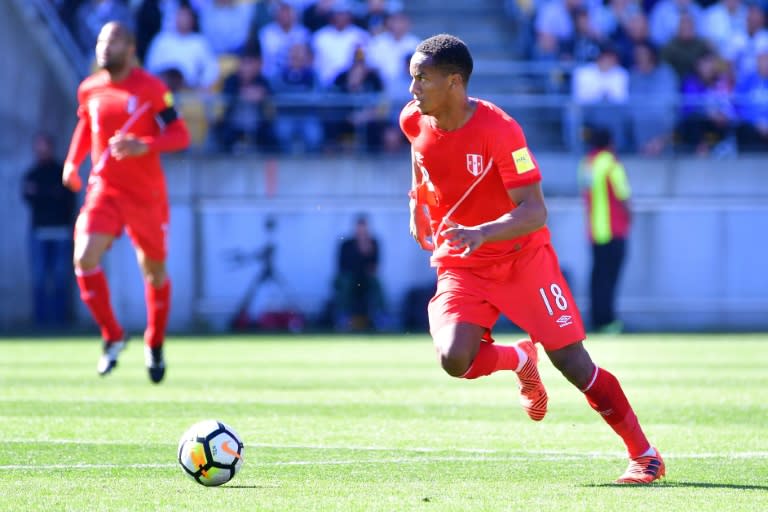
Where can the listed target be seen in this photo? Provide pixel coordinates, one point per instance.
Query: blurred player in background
(126, 119)
(477, 204)
(605, 188)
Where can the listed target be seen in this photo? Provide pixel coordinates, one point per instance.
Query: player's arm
(620, 184)
(529, 215)
(172, 136)
(420, 228)
(79, 147)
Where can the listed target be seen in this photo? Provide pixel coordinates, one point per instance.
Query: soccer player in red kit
(476, 203)
(126, 119)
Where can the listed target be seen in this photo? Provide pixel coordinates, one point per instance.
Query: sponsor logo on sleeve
(523, 160)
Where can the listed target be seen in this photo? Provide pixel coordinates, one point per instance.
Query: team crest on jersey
(474, 164)
(130, 105)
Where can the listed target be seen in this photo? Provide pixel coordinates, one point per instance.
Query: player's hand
(126, 146)
(420, 228)
(463, 237)
(71, 178)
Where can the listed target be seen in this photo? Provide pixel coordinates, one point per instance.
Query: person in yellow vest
(605, 188)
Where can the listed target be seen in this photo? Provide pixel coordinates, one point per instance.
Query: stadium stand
(715, 198)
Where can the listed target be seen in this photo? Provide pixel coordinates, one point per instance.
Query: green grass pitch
(372, 424)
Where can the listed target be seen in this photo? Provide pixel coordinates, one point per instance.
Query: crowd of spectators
(271, 75)
(315, 75)
(663, 75)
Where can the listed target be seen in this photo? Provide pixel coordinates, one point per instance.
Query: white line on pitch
(539, 457)
(417, 449)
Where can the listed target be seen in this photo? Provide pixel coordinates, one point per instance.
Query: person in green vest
(605, 188)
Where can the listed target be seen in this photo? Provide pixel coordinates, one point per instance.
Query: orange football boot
(533, 396)
(643, 470)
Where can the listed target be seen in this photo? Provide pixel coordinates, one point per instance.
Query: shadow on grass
(225, 487)
(702, 485)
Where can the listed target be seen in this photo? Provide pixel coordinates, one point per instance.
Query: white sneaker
(108, 359)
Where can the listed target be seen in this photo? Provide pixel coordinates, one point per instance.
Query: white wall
(695, 260)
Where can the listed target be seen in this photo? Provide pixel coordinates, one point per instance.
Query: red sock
(94, 291)
(605, 395)
(158, 307)
(492, 358)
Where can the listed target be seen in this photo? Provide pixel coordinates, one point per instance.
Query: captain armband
(167, 116)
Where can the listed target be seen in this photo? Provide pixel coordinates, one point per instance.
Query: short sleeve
(82, 103)
(163, 104)
(409, 121)
(517, 165)
(162, 98)
(619, 182)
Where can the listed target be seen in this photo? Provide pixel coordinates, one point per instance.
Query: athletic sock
(605, 396)
(94, 291)
(491, 358)
(158, 306)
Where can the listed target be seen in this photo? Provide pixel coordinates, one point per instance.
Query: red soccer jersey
(453, 160)
(106, 107)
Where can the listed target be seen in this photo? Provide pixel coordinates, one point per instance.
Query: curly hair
(448, 53)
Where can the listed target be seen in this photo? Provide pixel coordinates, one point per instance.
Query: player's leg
(98, 223)
(617, 248)
(157, 293)
(606, 396)
(554, 320)
(460, 319)
(600, 282)
(147, 228)
(94, 292)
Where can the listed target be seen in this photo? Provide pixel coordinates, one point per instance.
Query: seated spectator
(752, 106)
(584, 45)
(387, 50)
(226, 24)
(375, 13)
(298, 122)
(653, 90)
(397, 96)
(633, 32)
(610, 16)
(169, 9)
(91, 15)
(707, 110)
(184, 49)
(521, 13)
(278, 36)
(318, 14)
(723, 20)
(248, 109)
(149, 21)
(553, 26)
(684, 50)
(743, 48)
(334, 45)
(664, 19)
(358, 297)
(601, 88)
(364, 122)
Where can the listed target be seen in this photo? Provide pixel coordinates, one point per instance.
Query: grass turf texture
(372, 423)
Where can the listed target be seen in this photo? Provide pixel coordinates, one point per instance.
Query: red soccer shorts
(145, 222)
(529, 289)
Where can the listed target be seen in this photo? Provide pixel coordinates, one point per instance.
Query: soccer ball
(210, 453)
